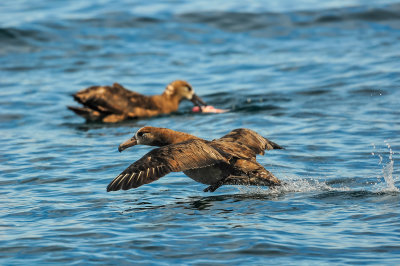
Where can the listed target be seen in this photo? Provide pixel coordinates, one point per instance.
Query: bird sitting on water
(115, 103)
(230, 160)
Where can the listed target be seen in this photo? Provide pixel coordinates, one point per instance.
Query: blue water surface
(320, 78)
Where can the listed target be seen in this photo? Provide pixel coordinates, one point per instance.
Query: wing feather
(250, 139)
(157, 163)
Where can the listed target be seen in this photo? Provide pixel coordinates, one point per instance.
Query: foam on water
(295, 184)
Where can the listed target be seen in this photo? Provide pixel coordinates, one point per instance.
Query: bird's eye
(189, 88)
(140, 134)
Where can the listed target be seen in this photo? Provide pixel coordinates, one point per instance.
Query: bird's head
(183, 90)
(155, 136)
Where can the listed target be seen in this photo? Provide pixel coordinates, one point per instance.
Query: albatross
(229, 160)
(115, 103)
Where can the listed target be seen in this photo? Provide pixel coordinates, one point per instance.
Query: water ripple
(319, 78)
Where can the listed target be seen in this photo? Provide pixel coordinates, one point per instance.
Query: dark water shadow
(249, 21)
(199, 203)
(355, 194)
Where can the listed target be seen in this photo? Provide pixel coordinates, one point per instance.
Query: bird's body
(115, 103)
(230, 160)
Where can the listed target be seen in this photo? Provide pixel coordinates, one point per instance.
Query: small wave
(245, 21)
(20, 40)
(247, 103)
(12, 34)
(375, 14)
(8, 34)
(117, 20)
(254, 108)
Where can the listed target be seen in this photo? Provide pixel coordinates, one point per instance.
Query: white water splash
(387, 170)
(293, 184)
(298, 184)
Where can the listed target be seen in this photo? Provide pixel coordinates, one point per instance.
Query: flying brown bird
(230, 160)
(115, 103)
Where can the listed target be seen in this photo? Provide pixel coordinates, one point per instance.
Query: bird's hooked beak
(126, 144)
(197, 101)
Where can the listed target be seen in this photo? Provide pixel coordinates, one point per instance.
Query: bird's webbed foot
(214, 186)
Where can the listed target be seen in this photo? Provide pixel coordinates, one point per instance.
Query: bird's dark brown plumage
(115, 103)
(230, 160)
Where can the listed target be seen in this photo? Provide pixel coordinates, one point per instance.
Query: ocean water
(320, 78)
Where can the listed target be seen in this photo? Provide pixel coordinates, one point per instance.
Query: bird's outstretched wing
(157, 163)
(250, 139)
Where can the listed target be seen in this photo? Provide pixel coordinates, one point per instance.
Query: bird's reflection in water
(198, 203)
